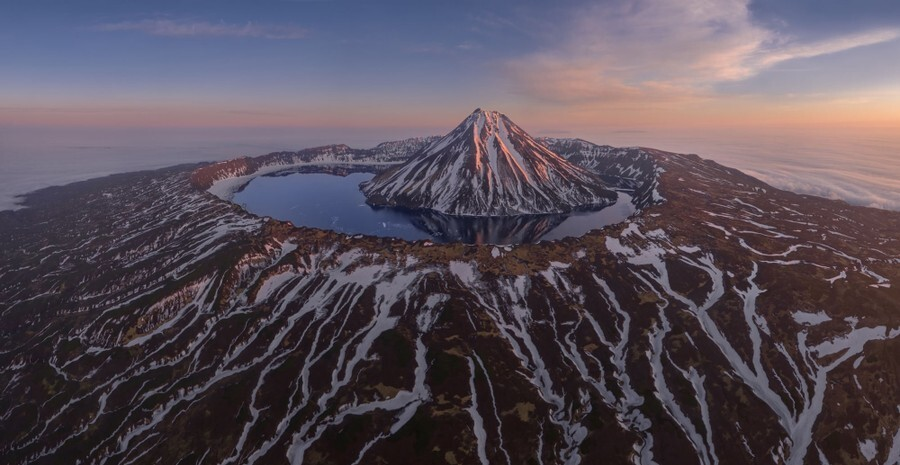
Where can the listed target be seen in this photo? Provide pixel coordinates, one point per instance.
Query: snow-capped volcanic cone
(488, 166)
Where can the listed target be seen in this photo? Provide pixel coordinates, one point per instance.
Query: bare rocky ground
(143, 320)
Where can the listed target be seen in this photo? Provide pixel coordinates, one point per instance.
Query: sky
(804, 94)
(390, 64)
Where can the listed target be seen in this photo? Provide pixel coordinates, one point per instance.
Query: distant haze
(859, 166)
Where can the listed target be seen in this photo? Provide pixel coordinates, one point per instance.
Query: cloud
(663, 50)
(176, 28)
(825, 47)
(444, 49)
(833, 185)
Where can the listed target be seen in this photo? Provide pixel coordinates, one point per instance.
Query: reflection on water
(333, 202)
(490, 230)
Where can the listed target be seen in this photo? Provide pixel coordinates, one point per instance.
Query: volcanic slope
(145, 321)
(488, 166)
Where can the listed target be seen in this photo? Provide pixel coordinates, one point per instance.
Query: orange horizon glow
(851, 112)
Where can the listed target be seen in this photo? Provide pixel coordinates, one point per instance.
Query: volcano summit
(488, 166)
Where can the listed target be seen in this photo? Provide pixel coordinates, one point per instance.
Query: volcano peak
(488, 166)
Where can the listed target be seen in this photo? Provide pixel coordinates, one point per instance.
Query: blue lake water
(333, 202)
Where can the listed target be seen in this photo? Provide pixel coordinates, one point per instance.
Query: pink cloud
(662, 50)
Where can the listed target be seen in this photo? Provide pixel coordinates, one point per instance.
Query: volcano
(488, 166)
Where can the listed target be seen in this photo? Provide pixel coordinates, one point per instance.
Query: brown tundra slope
(145, 321)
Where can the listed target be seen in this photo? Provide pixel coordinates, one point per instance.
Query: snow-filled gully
(798, 420)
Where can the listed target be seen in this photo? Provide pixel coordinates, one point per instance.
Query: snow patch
(811, 319)
(465, 271)
(868, 449)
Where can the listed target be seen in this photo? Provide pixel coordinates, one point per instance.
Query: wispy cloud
(468, 45)
(663, 50)
(825, 47)
(444, 49)
(180, 28)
